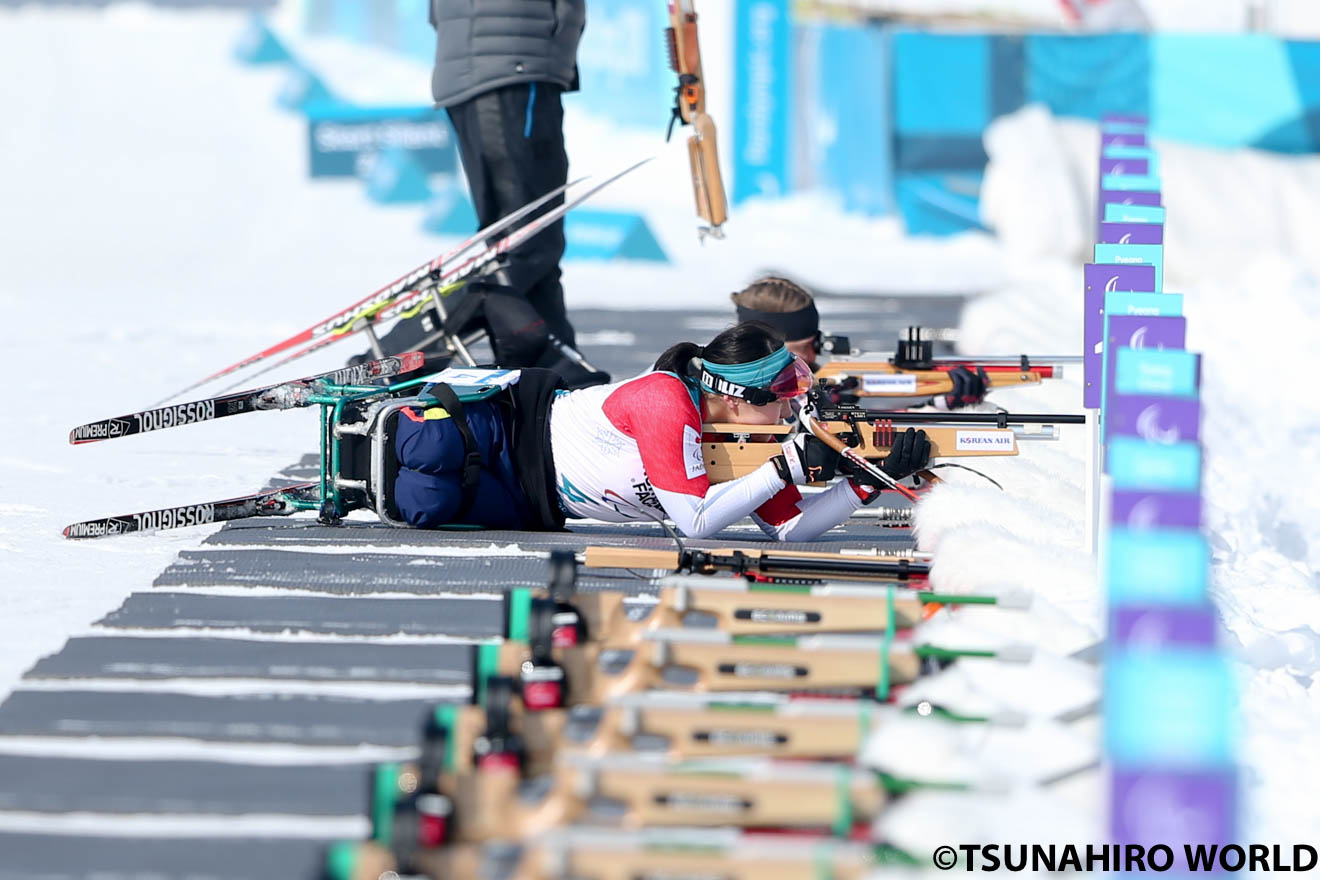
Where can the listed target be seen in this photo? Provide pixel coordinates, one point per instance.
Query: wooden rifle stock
(690, 109)
(595, 854)
(649, 791)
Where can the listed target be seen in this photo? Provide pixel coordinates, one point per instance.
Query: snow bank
(1240, 241)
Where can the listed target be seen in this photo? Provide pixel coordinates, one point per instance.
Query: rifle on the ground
(781, 566)
(617, 854)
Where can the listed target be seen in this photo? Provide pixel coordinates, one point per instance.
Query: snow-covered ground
(1240, 245)
(156, 223)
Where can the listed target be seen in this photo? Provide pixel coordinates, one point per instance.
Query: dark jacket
(485, 44)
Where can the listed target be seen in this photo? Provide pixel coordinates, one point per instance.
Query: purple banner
(1099, 279)
(1110, 165)
(1137, 331)
(1131, 233)
(1156, 627)
(1124, 197)
(1155, 419)
(1173, 807)
(1128, 118)
(1155, 510)
(1123, 138)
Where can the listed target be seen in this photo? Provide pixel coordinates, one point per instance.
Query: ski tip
(411, 360)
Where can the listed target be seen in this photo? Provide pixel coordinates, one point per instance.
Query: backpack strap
(447, 398)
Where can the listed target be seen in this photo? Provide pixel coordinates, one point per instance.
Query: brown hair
(772, 294)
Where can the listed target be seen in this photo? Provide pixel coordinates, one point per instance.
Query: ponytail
(677, 359)
(740, 344)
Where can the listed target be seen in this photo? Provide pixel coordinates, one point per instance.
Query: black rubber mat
(69, 785)
(475, 617)
(363, 573)
(308, 533)
(319, 720)
(149, 658)
(60, 857)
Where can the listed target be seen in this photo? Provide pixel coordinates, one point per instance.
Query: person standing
(501, 67)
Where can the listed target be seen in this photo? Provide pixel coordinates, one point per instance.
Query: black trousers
(511, 142)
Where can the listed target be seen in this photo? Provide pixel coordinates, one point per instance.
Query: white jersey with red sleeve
(632, 451)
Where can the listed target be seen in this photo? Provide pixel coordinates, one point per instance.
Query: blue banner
(763, 99)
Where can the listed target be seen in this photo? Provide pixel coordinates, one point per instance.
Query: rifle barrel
(1013, 359)
(1002, 420)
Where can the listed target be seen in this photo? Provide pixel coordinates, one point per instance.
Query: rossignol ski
(273, 502)
(410, 302)
(411, 291)
(388, 293)
(284, 395)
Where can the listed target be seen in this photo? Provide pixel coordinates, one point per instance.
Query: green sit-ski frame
(333, 496)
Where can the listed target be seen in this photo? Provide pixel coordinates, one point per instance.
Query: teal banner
(1127, 182)
(1155, 371)
(1156, 567)
(1134, 254)
(1135, 464)
(1115, 213)
(763, 98)
(1170, 708)
(341, 137)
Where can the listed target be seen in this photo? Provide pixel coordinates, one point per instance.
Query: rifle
(738, 608)
(913, 370)
(632, 790)
(705, 661)
(778, 566)
(729, 450)
(684, 726)
(690, 109)
(617, 854)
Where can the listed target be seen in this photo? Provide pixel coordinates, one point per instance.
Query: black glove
(806, 460)
(968, 387)
(909, 453)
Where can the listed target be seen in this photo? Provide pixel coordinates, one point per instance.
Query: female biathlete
(631, 451)
(791, 311)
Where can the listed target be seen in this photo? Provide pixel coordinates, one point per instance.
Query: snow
(156, 222)
(1240, 246)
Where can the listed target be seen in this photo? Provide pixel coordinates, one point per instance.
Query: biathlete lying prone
(787, 307)
(631, 450)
